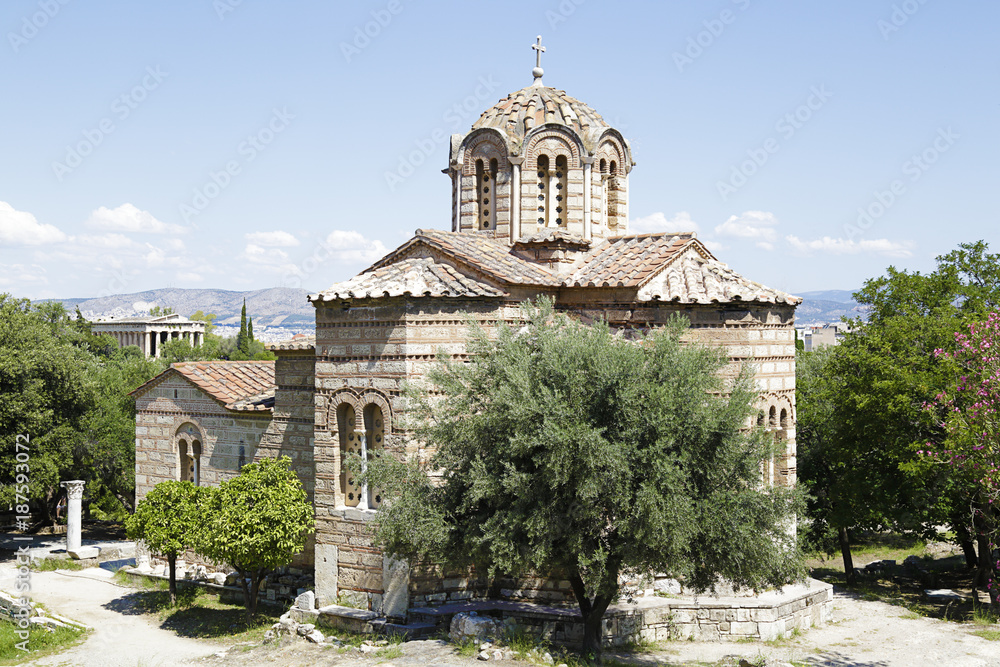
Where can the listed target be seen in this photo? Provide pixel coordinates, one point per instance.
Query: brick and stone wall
(175, 402)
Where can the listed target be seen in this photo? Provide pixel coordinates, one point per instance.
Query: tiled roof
(627, 261)
(296, 342)
(238, 385)
(692, 277)
(668, 267)
(417, 277)
(534, 106)
(479, 252)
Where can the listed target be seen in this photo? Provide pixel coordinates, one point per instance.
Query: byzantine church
(540, 207)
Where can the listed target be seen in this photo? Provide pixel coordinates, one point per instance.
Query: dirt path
(863, 634)
(119, 638)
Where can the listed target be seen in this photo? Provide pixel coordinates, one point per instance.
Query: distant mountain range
(827, 306)
(288, 307)
(277, 306)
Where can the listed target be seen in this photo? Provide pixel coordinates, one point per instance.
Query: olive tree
(575, 451)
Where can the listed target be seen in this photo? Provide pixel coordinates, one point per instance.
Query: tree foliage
(569, 449)
(969, 448)
(860, 406)
(256, 522)
(168, 520)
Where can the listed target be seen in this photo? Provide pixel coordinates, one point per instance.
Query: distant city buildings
(817, 336)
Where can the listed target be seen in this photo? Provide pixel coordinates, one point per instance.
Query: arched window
(615, 197)
(374, 443)
(367, 444)
(604, 191)
(350, 444)
(189, 454)
(543, 190)
(560, 190)
(760, 418)
(784, 418)
(772, 417)
(486, 193)
(187, 465)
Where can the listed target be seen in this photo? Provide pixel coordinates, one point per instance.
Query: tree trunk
(969, 549)
(250, 597)
(592, 611)
(845, 552)
(172, 566)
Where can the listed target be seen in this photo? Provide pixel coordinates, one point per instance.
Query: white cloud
(759, 225)
(260, 255)
(351, 246)
(114, 241)
(21, 228)
(658, 222)
(128, 218)
(832, 246)
(276, 238)
(16, 275)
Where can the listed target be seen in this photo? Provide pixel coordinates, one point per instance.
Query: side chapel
(540, 206)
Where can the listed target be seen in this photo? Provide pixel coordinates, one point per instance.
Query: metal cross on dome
(538, 71)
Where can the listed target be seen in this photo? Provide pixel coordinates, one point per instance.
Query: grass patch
(991, 635)
(389, 652)
(50, 564)
(467, 648)
(41, 642)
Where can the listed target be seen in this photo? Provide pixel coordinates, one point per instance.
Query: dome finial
(538, 71)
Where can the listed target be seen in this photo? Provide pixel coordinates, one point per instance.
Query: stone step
(411, 630)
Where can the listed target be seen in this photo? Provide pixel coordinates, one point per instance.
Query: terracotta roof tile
(416, 276)
(239, 385)
(626, 261)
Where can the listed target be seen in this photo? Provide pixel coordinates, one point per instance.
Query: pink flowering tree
(967, 414)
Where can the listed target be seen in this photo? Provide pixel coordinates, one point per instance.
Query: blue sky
(247, 144)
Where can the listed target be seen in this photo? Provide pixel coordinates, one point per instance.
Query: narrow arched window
(374, 443)
(187, 465)
(483, 197)
(772, 417)
(604, 191)
(351, 443)
(614, 198)
(784, 418)
(543, 190)
(560, 190)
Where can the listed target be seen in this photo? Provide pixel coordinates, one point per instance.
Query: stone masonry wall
(174, 402)
(290, 432)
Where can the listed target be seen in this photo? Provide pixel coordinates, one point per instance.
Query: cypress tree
(242, 343)
(250, 337)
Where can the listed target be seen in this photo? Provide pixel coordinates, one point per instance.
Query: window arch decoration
(552, 142)
(363, 426)
(188, 441)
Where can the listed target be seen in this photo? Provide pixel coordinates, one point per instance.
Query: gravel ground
(863, 634)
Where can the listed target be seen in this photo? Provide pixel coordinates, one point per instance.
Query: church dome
(535, 106)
